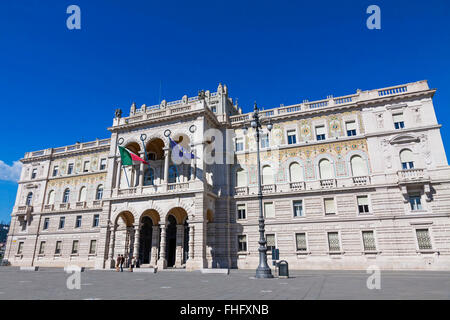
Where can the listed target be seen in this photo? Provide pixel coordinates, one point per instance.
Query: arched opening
(407, 159)
(173, 174)
(133, 147)
(182, 140)
(177, 237)
(51, 197)
(155, 149)
(99, 193)
(145, 240)
(171, 241)
(82, 195)
(29, 199)
(358, 166)
(123, 226)
(295, 172)
(241, 178)
(66, 196)
(267, 175)
(325, 169)
(149, 177)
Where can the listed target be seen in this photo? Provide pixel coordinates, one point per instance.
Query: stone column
(191, 242)
(155, 246)
(179, 249)
(119, 173)
(136, 241)
(162, 262)
(142, 171)
(166, 165)
(112, 247)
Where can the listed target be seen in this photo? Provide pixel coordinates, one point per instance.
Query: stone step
(149, 270)
(215, 271)
(23, 268)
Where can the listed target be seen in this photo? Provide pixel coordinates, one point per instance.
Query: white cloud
(10, 173)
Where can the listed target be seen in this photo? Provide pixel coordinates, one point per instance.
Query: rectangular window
(368, 241)
(269, 211)
(20, 248)
(93, 247)
(398, 121)
(78, 222)
(292, 137)
(415, 203)
(239, 145)
(102, 164)
(214, 109)
(242, 243)
(333, 241)
(320, 133)
(33, 174)
(241, 212)
(329, 206)
(423, 239)
(301, 241)
(86, 166)
(298, 208)
(70, 168)
(62, 221)
(58, 247)
(351, 128)
(46, 223)
(42, 247)
(363, 204)
(265, 141)
(75, 247)
(270, 239)
(55, 171)
(95, 220)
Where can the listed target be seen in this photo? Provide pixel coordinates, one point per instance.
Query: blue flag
(178, 152)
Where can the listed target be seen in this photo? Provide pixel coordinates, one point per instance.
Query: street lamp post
(263, 270)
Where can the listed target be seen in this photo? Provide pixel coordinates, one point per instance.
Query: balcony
(411, 175)
(64, 206)
(361, 180)
(327, 183)
(269, 188)
(49, 207)
(177, 186)
(80, 205)
(240, 191)
(297, 186)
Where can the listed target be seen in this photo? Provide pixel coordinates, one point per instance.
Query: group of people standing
(130, 263)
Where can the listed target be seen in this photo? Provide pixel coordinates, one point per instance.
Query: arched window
(295, 172)
(267, 175)
(173, 174)
(66, 196)
(29, 199)
(82, 196)
(407, 159)
(99, 193)
(51, 197)
(358, 166)
(241, 178)
(149, 178)
(325, 169)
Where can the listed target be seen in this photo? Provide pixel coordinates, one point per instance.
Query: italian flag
(129, 158)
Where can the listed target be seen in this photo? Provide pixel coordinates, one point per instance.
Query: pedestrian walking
(122, 260)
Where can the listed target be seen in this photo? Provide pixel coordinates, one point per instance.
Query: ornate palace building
(348, 182)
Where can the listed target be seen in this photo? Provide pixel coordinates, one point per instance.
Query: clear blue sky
(59, 86)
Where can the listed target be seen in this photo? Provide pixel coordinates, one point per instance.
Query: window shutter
(295, 171)
(326, 170)
(398, 117)
(83, 194)
(351, 125)
(320, 130)
(267, 177)
(269, 211)
(358, 166)
(363, 201)
(329, 206)
(406, 156)
(241, 178)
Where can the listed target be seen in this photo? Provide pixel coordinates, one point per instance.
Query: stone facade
(348, 183)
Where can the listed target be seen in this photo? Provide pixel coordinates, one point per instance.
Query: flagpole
(126, 176)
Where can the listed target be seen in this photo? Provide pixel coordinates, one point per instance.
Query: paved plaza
(50, 283)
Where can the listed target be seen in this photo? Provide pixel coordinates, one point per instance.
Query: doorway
(145, 241)
(171, 241)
